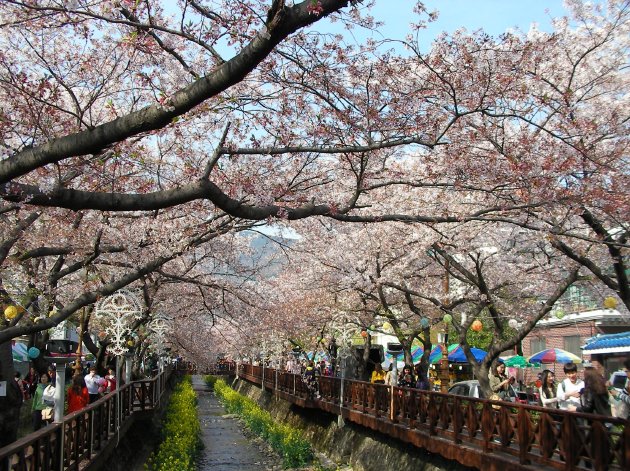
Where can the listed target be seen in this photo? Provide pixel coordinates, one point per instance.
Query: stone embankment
(354, 445)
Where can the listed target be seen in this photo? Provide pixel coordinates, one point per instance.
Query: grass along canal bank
(284, 439)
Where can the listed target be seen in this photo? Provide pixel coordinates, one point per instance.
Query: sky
(494, 16)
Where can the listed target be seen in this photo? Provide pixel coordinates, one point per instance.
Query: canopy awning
(608, 343)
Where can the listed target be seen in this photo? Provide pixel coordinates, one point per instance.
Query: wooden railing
(77, 441)
(488, 435)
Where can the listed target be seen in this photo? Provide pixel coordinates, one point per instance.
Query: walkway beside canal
(226, 446)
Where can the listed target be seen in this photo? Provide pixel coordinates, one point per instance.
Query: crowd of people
(593, 394)
(39, 388)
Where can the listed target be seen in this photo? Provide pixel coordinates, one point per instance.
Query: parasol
(554, 355)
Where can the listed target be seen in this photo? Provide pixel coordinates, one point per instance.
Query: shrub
(286, 440)
(180, 432)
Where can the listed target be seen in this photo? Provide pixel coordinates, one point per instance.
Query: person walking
(32, 380)
(407, 379)
(309, 377)
(547, 391)
(378, 375)
(422, 377)
(594, 396)
(78, 396)
(93, 382)
(390, 378)
(569, 389)
(38, 404)
(110, 377)
(623, 396)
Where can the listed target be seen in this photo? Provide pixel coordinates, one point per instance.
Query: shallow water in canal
(226, 447)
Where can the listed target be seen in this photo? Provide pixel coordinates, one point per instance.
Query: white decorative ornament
(158, 327)
(118, 310)
(513, 323)
(344, 327)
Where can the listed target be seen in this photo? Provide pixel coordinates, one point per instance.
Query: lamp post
(443, 374)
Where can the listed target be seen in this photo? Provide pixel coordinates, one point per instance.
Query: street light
(443, 374)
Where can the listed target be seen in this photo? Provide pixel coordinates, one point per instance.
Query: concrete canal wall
(352, 444)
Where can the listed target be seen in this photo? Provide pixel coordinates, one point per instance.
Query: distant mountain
(268, 252)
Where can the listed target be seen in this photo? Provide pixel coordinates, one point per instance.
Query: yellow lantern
(130, 343)
(10, 312)
(610, 303)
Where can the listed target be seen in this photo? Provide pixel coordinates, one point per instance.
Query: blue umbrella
(458, 355)
(416, 353)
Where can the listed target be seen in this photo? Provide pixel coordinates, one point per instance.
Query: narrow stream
(225, 445)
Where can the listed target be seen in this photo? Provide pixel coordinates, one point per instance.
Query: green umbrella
(518, 361)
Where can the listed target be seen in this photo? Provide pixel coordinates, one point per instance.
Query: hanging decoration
(610, 302)
(447, 319)
(158, 327)
(33, 353)
(513, 323)
(559, 314)
(118, 311)
(10, 312)
(477, 325)
(424, 323)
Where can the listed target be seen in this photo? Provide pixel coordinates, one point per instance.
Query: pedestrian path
(225, 445)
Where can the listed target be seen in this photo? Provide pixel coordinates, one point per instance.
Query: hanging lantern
(10, 312)
(364, 334)
(559, 314)
(610, 302)
(513, 323)
(130, 343)
(387, 326)
(477, 325)
(33, 353)
(424, 323)
(447, 318)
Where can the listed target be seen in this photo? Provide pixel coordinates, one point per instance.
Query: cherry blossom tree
(193, 122)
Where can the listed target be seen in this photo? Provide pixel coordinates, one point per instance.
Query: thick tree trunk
(11, 404)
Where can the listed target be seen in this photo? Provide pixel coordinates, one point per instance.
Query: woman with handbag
(500, 384)
(39, 409)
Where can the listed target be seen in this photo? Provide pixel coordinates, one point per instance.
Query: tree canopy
(140, 145)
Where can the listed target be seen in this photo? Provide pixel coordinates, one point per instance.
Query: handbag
(495, 397)
(47, 413)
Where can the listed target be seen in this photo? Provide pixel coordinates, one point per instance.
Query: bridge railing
(74, 442)
(476, 432)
